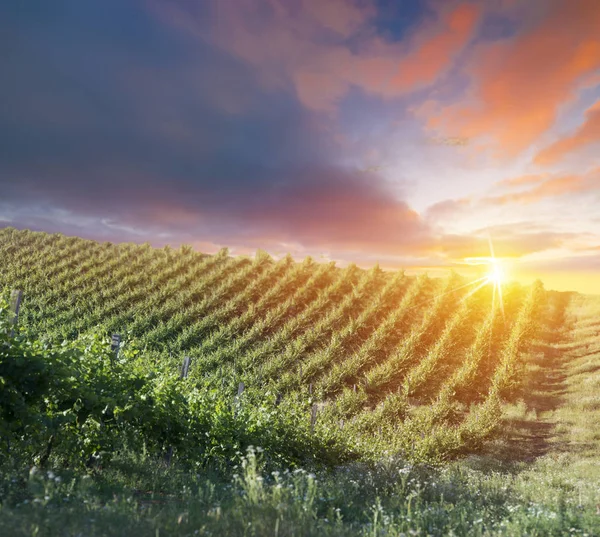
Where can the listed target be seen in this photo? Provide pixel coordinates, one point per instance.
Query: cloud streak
(306, 44)
(519, 84)
(586, 134)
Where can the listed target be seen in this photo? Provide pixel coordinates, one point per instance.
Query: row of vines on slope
(419, 363)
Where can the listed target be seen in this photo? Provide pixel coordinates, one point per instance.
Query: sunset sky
(399, 131)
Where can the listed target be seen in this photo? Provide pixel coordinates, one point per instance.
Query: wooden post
(236, 399)
(313, 417)
(185, 367)
(278, 399)
(15, 304)
(310, 389)
(115, 346)
(185, 370)
(354, 388)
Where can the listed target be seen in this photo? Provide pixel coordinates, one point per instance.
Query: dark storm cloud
(112, 122)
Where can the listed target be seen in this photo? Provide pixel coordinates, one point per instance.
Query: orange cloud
(448, 208)
(558, 186)
(435, 53)
(519, 84)
(522, 180)
(509, 241)
(586, 134)
(304, 42)
(381, 68)
(338, 15)
(542, 187)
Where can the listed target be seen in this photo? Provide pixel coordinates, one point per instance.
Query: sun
(496, 275)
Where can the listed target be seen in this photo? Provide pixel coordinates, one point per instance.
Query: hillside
(366, 377)
(381, 353)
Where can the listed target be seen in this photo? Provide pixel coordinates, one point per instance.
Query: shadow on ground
(528, 431)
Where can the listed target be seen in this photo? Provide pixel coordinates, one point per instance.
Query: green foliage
(75, 402)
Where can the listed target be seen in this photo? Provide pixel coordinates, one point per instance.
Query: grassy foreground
(136, 497)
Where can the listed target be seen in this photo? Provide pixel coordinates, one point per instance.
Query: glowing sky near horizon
(405, 132)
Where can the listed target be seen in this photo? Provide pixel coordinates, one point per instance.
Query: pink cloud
(523, 180)
(564, 185)
(435, 53)
(541, 187)
(519, 84)
(340, 16)
(588, 133)
(302, 43)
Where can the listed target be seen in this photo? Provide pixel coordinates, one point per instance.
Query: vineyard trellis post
(185, 371)
(236, 399)
(115, 346)
(16, 298)
(313, 417)
(185, 367)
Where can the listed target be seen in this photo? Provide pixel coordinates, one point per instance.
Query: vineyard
(169, 392)
(390, 362)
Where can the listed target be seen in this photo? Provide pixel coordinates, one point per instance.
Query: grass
(472, 497)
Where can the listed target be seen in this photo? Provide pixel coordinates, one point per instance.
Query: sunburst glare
(496, 275)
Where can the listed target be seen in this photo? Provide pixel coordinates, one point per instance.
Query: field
(431, 406)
